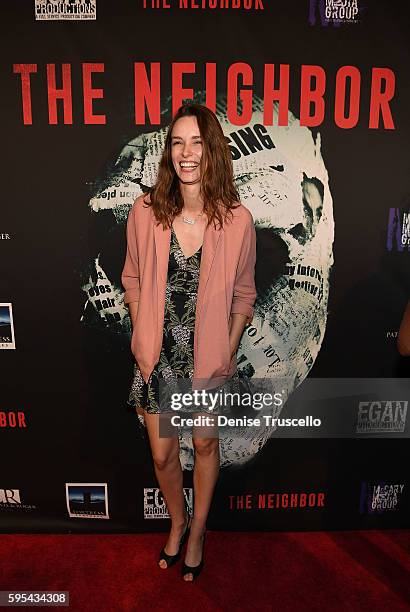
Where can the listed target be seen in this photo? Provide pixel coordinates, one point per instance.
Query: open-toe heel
(195, 570)
(172, 559)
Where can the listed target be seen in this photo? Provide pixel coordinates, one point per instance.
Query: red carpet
(343, 570)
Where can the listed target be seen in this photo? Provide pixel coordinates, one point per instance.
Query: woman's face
(186, 149)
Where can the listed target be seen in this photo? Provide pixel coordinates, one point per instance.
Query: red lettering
(245, 95)
(294, 500)
(352, 73)
(55, 94)
(91, 94)
(312, 500)
(25, 70)
(281, 94)
(179, 93)
(147, 92)
(310, 96)
(239, 502)
(380, 101)
(12, 419)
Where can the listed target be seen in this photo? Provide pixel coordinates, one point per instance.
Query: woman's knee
(164, 457)
(206, 446)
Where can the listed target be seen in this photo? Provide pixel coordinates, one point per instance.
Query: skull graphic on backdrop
(282, 179)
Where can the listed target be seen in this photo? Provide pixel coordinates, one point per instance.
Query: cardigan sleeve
(244, 294)
(130, 276)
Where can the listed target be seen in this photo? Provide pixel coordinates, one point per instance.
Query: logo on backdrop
(155, 506)
(87, 500)
(12, 420)
(398, 230)
(65, 9)
(379, 497)
(10, 499)
(333, 12)
(381, 417)
(6, 327)
(277, 501)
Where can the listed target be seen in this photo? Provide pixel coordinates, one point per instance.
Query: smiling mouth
(188, 166)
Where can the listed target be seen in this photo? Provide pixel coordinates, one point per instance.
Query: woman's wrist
(237, 323)
(233, 346)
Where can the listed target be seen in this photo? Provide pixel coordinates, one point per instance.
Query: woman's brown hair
(217, 186)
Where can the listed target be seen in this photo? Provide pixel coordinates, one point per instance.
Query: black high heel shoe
(172, 559)
(195, 570)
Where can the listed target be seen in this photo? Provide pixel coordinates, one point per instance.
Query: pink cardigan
(226, 285)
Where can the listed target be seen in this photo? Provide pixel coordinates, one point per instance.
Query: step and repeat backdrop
(313, 99)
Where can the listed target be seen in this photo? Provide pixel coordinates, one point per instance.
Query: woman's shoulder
(141, 207)
(241, 214)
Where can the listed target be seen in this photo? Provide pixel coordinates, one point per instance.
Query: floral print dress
(177, 353)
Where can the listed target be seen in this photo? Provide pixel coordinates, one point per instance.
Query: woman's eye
(179, 142)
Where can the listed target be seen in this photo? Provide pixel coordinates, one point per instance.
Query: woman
(189, 282)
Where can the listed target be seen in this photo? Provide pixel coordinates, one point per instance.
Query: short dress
(176, 360)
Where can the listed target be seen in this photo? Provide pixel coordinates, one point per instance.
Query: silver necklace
(191, 221)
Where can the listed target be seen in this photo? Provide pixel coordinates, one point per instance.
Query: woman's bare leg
(165, 453)
(206, 472)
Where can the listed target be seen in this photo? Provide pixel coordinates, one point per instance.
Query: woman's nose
(186, 149)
